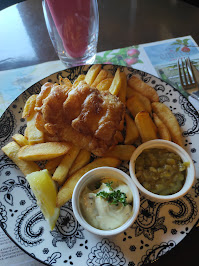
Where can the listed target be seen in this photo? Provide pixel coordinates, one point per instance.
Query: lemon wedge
(45, 192)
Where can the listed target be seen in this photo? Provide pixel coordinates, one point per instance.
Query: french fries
(11, 150)
(105, 84)
(20, 139)
(101, 76)
(66, 162)
(135, 106)
(63, 168)
(77, 81)
(132, 133)
(92, 74)
(122, 92)
(66, 191)
(29, 106)
(82, 159)
(34, 134)
(143, 99)
(43, 151)
(162, 129)
(52, 164)
(116, 83)
(145, 126)
(168, 118)
(122, 152)
(143, 88)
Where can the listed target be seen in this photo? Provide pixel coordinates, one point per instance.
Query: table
(122, 24)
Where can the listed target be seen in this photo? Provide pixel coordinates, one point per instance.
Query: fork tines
(187, 77)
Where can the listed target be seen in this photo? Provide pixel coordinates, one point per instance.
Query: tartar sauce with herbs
(106, 205)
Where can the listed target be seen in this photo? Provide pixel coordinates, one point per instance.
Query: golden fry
(78, 79)
(143, 88)
(11, 150)
(122, 92)
(92, 74)
(43, 151)
(132, 133)
(26, 133)
(145, 126)
(135, 106)
(116, 83)
(105, 84)
(62, 170)
(162, 129)
(29, 106)
(170, 121)
(52, 164)
(146, 102)
(82, 159)
(65, 81)
(66, 191)
(20, 139)
(34, 135)
(122, 152)
(101, 76)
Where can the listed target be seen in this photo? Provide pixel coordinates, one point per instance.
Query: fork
(187, 77)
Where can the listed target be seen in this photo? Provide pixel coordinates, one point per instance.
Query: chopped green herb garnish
(114, 197)
(108, 184)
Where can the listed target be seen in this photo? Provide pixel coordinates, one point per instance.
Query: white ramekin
(95, 175)
(171, 146)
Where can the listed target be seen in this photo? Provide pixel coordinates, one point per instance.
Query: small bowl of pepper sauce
(162, 170)
(102, 198)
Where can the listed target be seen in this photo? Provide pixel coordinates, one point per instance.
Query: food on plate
(11, 150)
(62, 170)
(78, 79)
(20, 139)
(145, 126)
(45, 192)
(29, 106)
(71, 124)
(35, 135)
(169, 119)
(101, 76)
(122, 152)
(92, 74)
(122, 92)
(81, 160)
(45, 90)
(105, 84)
(132, 133)
(66, 191)
(107, 204)
(52, 164)
(43, 151)
(162, 129)
(135, 106)
(116, 83)
(143, 99)
(160, 171)
(85, 116)
(146, 90)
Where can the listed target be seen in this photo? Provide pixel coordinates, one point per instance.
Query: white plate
(158, 228)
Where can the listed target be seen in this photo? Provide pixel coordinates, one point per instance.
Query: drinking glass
(73, 27)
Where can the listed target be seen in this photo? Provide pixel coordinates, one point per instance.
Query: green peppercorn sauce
(161, 171)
